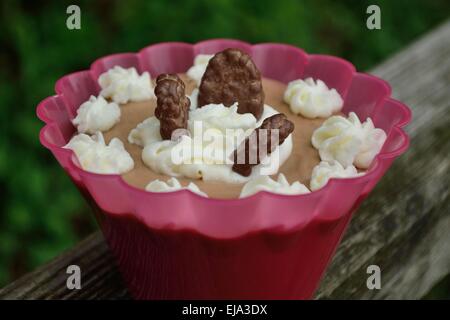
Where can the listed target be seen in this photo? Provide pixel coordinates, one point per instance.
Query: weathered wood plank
(100, 278)
(402, 227)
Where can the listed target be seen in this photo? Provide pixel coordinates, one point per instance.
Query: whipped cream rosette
(172, 185)
(348, 141)
(324, 171)
(123, 85)
(96, 114)
(312, 98)
(96, 156)
(280, 186)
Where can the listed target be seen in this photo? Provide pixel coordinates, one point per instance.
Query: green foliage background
(41, 212)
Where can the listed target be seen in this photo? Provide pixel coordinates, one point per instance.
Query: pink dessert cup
(180, 245)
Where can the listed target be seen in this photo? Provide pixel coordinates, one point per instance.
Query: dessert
(202, 230)
(232, 128)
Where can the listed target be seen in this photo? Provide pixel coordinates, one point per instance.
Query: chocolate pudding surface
(298, 167)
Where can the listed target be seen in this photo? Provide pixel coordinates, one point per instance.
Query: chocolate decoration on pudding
(272, 133)
(172, 104)
(231, 76)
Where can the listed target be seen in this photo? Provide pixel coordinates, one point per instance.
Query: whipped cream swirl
(172, 185)
(265, 183)
(348, 141)
(333, 169)
(214, 133)
(123, 85)
(312, 99)
(96, 156)
(198, 69)
(96, 114)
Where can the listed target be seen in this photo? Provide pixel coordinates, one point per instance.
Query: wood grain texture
(100, 278)
(402, 227)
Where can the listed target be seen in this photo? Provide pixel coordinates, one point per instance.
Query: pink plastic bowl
(182, 246)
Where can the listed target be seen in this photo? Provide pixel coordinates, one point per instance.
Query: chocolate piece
(231, 76)
(172, 104)
(272, 133)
